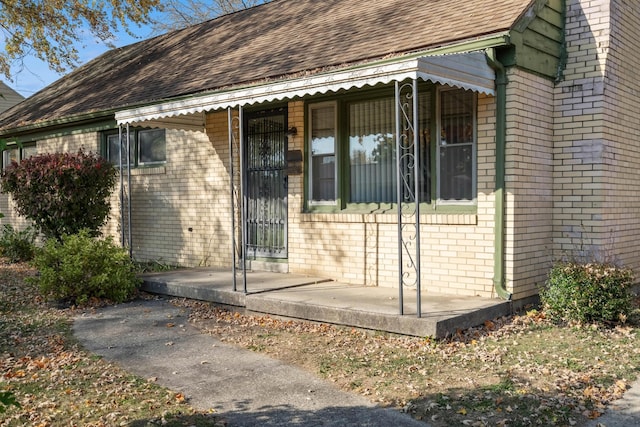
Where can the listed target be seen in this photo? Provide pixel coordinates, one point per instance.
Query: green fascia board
(71, 128)
(538, 40)
(51, 126)
(546, 29)
(537, 62)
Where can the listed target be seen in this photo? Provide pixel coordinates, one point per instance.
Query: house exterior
(368, 143)
(8, 97)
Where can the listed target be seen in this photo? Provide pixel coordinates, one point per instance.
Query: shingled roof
(271, 41)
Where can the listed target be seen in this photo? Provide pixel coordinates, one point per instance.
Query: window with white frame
(147, 147)
(362, 132)
(322, 122)
(16, 153)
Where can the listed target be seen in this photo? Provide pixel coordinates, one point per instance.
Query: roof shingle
(273, 40)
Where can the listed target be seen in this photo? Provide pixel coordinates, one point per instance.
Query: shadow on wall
(177, 209)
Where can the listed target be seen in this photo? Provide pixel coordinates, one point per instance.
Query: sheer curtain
(456, 145)
(372, 151)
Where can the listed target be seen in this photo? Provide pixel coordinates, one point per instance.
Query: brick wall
(597, 208)
(457, 250)
(529, 182)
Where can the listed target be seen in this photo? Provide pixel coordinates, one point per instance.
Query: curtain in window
(151, 146)
(372, 151)
(323, 158)
(456, 145)
(113, 149)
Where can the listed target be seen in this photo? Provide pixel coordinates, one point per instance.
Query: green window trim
(18, 152)
(147, 147)
(435, 204)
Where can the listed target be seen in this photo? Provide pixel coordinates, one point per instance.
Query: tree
(62, 193)
(178, 14)
(50, 29)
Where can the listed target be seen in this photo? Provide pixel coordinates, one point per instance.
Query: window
(147, 147)
(322, 119)
(15, 153)
(456, 148)
(362, 132)
(151, 147)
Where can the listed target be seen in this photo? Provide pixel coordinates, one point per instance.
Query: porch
(323, 300)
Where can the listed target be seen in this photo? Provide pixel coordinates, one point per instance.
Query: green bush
(588, 292)
(62, 193)
(17, 246)
(80, 267)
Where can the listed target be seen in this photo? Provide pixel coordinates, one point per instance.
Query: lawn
(517, 371)
(57, 383)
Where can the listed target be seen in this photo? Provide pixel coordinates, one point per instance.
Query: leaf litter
(513, 371)
(57, 383)
(517, 370)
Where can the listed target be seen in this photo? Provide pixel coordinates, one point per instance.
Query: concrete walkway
(244, 388)
(322, 300)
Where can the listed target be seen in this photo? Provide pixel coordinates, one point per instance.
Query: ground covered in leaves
(515, 371)
(58, 384)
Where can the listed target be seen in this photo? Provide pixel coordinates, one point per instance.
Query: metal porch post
(129, 191)
(408, 166)
(231, 197)
(399, 194)
(243, 191)
(121, 177)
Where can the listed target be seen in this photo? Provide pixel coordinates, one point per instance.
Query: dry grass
(517, 371)
(59, 384)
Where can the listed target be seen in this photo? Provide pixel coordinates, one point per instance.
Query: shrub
(17, 246)
(588, 292)
(62, 193)
(80, 267)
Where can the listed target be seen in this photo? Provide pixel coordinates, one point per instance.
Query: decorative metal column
(125, 195)
(243, 197)
(237, 197)
(129, 192)
(232, 195)
(408, 190)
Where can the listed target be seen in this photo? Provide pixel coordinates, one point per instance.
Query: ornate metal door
(266, 197)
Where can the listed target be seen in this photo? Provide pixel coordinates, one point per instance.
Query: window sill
(148, 170)
(388, 218)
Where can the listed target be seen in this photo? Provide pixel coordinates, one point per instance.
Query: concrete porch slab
(319, 299)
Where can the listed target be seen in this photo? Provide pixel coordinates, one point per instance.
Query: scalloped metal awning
(468, 70)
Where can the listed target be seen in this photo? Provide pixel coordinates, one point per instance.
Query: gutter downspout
(499, 283)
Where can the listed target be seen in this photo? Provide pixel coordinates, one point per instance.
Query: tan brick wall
(619, 206)
(529, 182)
(181, 215)
(597, 205)
(180, 210)
(457, 250)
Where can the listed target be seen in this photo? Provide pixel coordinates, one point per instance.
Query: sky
(35, 74)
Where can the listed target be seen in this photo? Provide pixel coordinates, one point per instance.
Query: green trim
(75, 121)
(391, 209)
(538, 40)
(501, 137)
(57, 132)
(434, 207)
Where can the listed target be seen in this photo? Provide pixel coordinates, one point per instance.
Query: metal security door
(266, 198)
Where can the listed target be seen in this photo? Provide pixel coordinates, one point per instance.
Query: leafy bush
(62, 193)
(588, 292)
(80, 267)
(18, 246)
